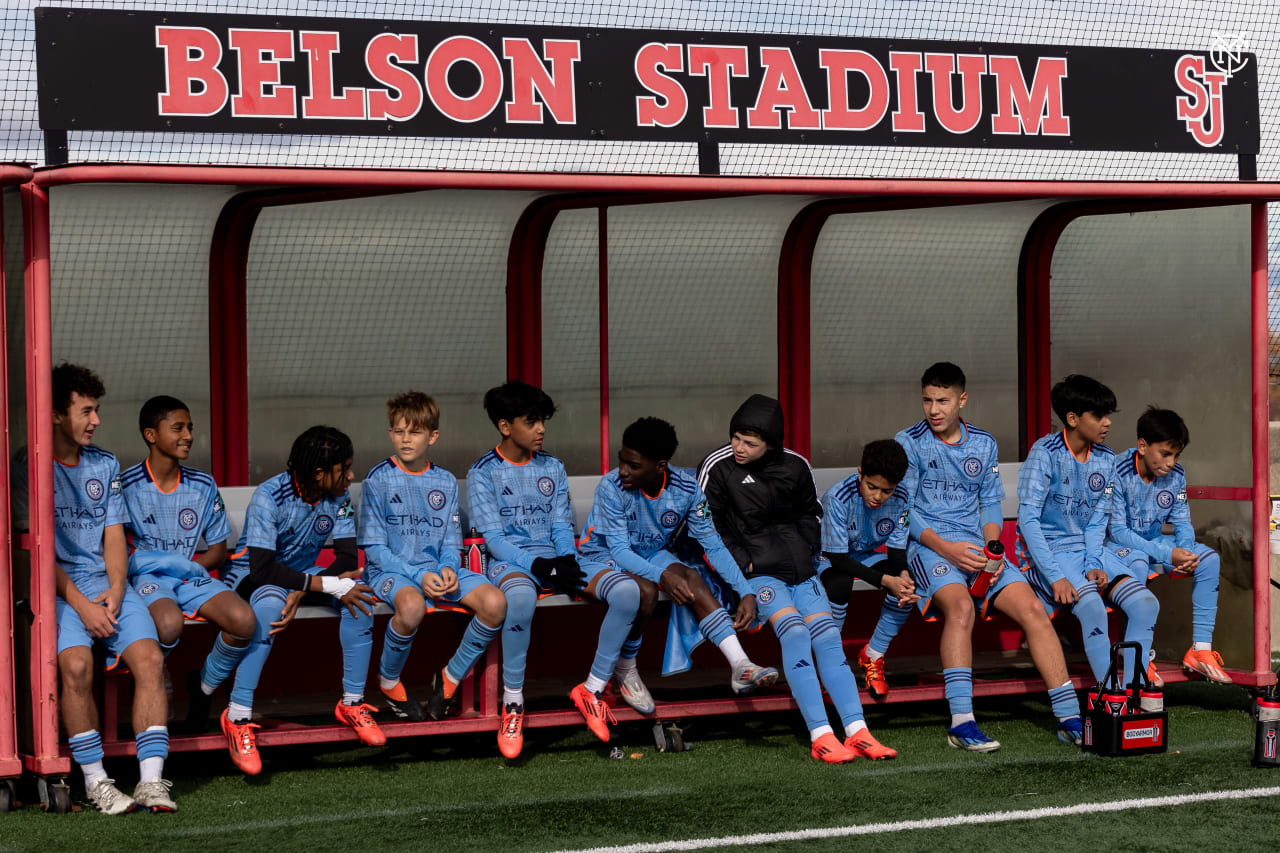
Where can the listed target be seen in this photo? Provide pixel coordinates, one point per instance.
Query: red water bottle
(995, 557)
(474, 555)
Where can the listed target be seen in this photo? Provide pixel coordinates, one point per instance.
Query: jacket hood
(763, 415)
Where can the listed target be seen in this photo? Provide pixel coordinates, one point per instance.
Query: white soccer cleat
(154, 796)
(747, 677)
(109, 799)
(634, 693)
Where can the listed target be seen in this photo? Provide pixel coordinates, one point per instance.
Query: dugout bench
(914, 655)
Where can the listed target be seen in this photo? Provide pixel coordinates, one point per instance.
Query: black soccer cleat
(438, 706)
(198, 704)
(401, 703)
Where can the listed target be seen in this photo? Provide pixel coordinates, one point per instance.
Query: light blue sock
(838, 612)
(153, 748)
(522, 598)
(86, 748)
(622, 594)
(802, 676)
(959, 688)
(1065, 702)
(630, 649)
(716, 626)
(1140, 608)
(833, 668)
(1091, 613)
(221, 662)
(475, 640)
(356, 634)
(267, 603)
(892, 618)
(395, 653)
(1204, 597)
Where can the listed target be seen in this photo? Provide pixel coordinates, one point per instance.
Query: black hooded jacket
(767, 512)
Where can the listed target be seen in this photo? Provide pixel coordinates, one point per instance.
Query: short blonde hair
(418, 410)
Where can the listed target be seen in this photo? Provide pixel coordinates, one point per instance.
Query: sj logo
(1200, 108)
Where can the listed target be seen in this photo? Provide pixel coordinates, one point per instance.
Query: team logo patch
(765, 594)
(322, 525)
(1123, 552)
(703, 510)
(973, 466)
(218, 505)
(93, 489)
(940, 569)
(1097, 482)
(1164, 499)
(435, 499)
(669, 518)
(883, 526)
(147, 589)
(346, 510)
(187, 519)
(546, 485)
(385, 589)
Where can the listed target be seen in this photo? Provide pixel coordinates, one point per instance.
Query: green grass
(741, 776)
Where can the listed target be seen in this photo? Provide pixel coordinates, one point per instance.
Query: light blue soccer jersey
(177, 520)
(1064, 504)
(86, 501)
(1139, 509)
(524, 511)
(279, 520)
(953, 488)
(851, 527)
(409, 521)
(629, 527)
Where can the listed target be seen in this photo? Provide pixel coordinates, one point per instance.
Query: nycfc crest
(546, 485)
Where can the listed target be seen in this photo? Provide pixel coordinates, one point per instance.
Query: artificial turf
(742, 775)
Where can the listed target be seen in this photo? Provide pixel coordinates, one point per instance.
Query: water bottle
(995, 557)
(474, 554)
(1266, 729)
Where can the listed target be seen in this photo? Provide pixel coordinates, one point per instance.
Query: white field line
(936, 823)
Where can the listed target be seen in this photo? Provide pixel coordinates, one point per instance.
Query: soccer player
(1064, 504)
(289, 518)
(639, 511)
(953, 483)
(1151, 492)
(171, 508)
(765, 507)
(519, 499)
(95, 602)
(859, 515)
(412, 544)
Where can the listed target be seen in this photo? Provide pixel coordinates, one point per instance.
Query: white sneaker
(747, 677)
(154, 796)
(634, 693)
(109, 799)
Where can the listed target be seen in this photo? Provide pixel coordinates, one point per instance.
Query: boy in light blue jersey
(1064, 503)
(860, 515)
(641, 509)
(519, 500)
(171, 508)
(953, 480)
(290, 517)
(1151, 492)
(95, 602)
(412, 542)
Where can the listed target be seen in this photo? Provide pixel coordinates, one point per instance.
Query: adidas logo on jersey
(395, 499)
(150, 519)
(803, 664)
(516, 628)
(933, 464)
(506, 490)
(748, 479)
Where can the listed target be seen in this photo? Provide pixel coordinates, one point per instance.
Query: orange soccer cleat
(511, 733)
(594, 710)
(827, 748)
(243, 745)
(873, 674)
(864, 744)
(360, 719)
(1206, 662)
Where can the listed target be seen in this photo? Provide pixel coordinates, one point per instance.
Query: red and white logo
(1200, 108)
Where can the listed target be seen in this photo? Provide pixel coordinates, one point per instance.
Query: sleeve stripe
(715, 457)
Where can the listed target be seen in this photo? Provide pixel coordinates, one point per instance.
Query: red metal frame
(10, 763)
(1261, 447)
(642, 188)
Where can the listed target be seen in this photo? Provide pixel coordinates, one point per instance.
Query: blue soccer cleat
(1071, 730)
(969, 737)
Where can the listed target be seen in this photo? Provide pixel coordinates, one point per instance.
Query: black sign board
(156, 71)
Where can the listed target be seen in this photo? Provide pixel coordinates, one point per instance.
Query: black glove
(563, 573)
